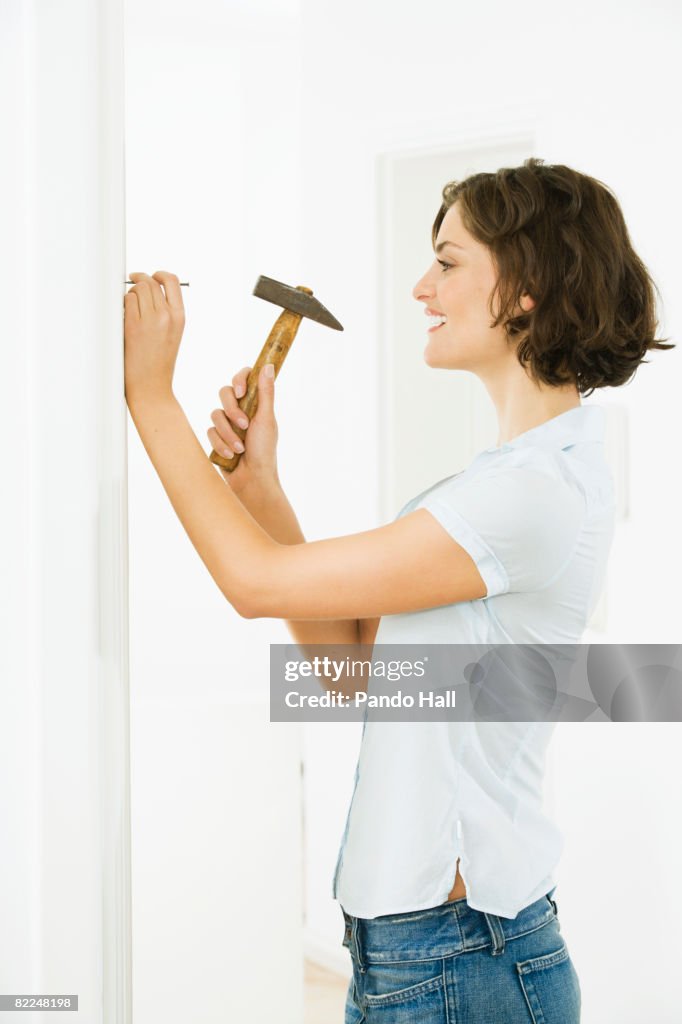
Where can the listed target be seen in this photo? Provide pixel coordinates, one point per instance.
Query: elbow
(259, 607)
(245, 608)
(263, 607)
(246, 612)
(255, 592)
(246, 603)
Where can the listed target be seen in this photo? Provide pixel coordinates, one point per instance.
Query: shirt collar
(582, 424)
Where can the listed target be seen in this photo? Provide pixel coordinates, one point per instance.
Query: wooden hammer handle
(274, 351)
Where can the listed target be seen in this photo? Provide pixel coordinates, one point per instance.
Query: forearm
(225, 530)
(233, 546)
(270, 507)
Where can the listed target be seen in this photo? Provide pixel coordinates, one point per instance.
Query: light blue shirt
(537, 515)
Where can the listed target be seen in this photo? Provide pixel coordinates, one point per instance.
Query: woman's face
(458, 285)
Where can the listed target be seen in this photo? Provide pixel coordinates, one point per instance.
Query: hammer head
(295, 299)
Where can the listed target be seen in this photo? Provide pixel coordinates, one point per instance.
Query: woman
(536, 289)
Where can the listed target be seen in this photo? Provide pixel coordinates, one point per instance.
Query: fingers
(228, 397)
(231, 408)
(240, 381)
(222, 436)
(266, 392)
(171, 285)
(217, 444)
(227, 421)
(230, 414)
(149, 294)
(131, 306)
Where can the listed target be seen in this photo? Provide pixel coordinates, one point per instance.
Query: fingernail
(239, 390)
(269, 370)
(243, 423)
(238, 446)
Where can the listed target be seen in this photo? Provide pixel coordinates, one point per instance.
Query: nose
(423, 288)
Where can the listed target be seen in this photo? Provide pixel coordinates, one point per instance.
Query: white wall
(254, 137)
(213, 194)
(64, 781)
(216, 821)
(596, 84)
(617, 791)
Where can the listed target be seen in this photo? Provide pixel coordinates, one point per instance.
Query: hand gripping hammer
(297, 302)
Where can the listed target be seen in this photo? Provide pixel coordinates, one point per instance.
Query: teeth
(437, 320)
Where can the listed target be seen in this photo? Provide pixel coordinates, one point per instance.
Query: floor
(324, 995)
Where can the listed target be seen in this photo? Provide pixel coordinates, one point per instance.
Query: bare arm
(256, 483)
(408, 565)
(270, 507)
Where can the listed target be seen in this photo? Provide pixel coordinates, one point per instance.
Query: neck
(521, 404)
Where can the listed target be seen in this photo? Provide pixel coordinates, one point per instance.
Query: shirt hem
(507, 911)
(498, 909)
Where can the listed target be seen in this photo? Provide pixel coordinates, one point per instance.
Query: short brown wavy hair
(560, 236)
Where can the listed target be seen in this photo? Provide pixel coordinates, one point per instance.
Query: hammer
(297, 302)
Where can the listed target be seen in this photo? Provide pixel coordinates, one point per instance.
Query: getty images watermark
(476, 682)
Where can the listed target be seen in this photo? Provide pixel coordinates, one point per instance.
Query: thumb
(266, 391)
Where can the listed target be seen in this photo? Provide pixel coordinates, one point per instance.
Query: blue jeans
(454, 965)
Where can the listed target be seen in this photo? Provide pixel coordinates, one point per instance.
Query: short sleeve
(519, 525)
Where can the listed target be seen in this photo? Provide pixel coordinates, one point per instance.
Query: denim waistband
(450, 928)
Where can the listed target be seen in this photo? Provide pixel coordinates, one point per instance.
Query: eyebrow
(441, 245)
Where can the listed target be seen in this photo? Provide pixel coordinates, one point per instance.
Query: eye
(445, 266)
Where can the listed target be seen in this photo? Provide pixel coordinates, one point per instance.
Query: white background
(270, 162)
(257, 137)
(250, 154)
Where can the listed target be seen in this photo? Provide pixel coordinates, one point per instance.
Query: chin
(431, 359)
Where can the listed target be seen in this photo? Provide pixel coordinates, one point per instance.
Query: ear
(527, 303)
